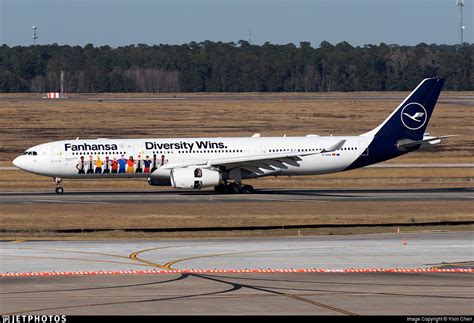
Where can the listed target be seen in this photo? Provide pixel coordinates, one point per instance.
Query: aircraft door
(139, 150)
(56, 153)
(130, 151)
(363, 146)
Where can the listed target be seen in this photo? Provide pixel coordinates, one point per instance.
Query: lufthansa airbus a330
(222, 163)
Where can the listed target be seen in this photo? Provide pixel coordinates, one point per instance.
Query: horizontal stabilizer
(407, 143)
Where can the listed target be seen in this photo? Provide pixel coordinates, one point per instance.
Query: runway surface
(260, 195)
(277, 293)
(457, 99)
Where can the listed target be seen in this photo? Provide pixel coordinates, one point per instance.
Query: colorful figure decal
(114, 165)
(154, 163)
(106, 166)
(98, 165)
(147, 163)
(139, 165)
(122, 163)
(80, 166)
(90, 170)
(119, 166)
(130, 165)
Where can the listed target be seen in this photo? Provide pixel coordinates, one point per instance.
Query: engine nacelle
(194, 178)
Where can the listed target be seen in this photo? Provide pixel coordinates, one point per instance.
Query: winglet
(335, 147)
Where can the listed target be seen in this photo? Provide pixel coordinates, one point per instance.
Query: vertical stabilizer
(411, 117)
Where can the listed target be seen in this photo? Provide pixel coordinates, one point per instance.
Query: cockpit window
(31, 153)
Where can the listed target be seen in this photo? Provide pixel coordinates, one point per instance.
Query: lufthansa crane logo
(413, 116)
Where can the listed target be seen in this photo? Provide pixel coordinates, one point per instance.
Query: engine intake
(194, 178)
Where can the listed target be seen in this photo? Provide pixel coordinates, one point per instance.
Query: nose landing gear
(59, 189)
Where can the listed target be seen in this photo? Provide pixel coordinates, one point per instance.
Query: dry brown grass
(27, 120)
(122, 216)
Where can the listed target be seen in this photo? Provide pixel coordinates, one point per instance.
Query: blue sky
(124, 22)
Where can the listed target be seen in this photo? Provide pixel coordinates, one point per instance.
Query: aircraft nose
(18, 162)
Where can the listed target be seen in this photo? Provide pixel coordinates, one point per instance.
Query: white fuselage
(194, 163)
(61, 158)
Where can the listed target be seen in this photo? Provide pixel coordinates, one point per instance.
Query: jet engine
(194, 178)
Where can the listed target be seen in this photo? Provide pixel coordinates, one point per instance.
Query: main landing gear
(234, 188)
(59, 188)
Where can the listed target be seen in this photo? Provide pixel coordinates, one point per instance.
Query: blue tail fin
(411, 117)
(406, 124)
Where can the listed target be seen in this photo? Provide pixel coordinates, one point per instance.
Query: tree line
(234, 67)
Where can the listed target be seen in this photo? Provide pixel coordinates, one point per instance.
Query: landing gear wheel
(220, 188)
(232, 188)
(246, 189)
(59, 189)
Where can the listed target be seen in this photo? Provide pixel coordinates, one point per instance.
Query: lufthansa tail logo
(413, 116)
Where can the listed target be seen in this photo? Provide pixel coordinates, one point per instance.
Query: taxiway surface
(236, 293)
(405, 250)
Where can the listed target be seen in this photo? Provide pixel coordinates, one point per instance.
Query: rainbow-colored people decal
(122, 165)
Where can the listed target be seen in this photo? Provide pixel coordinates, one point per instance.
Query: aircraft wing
(257, 163)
